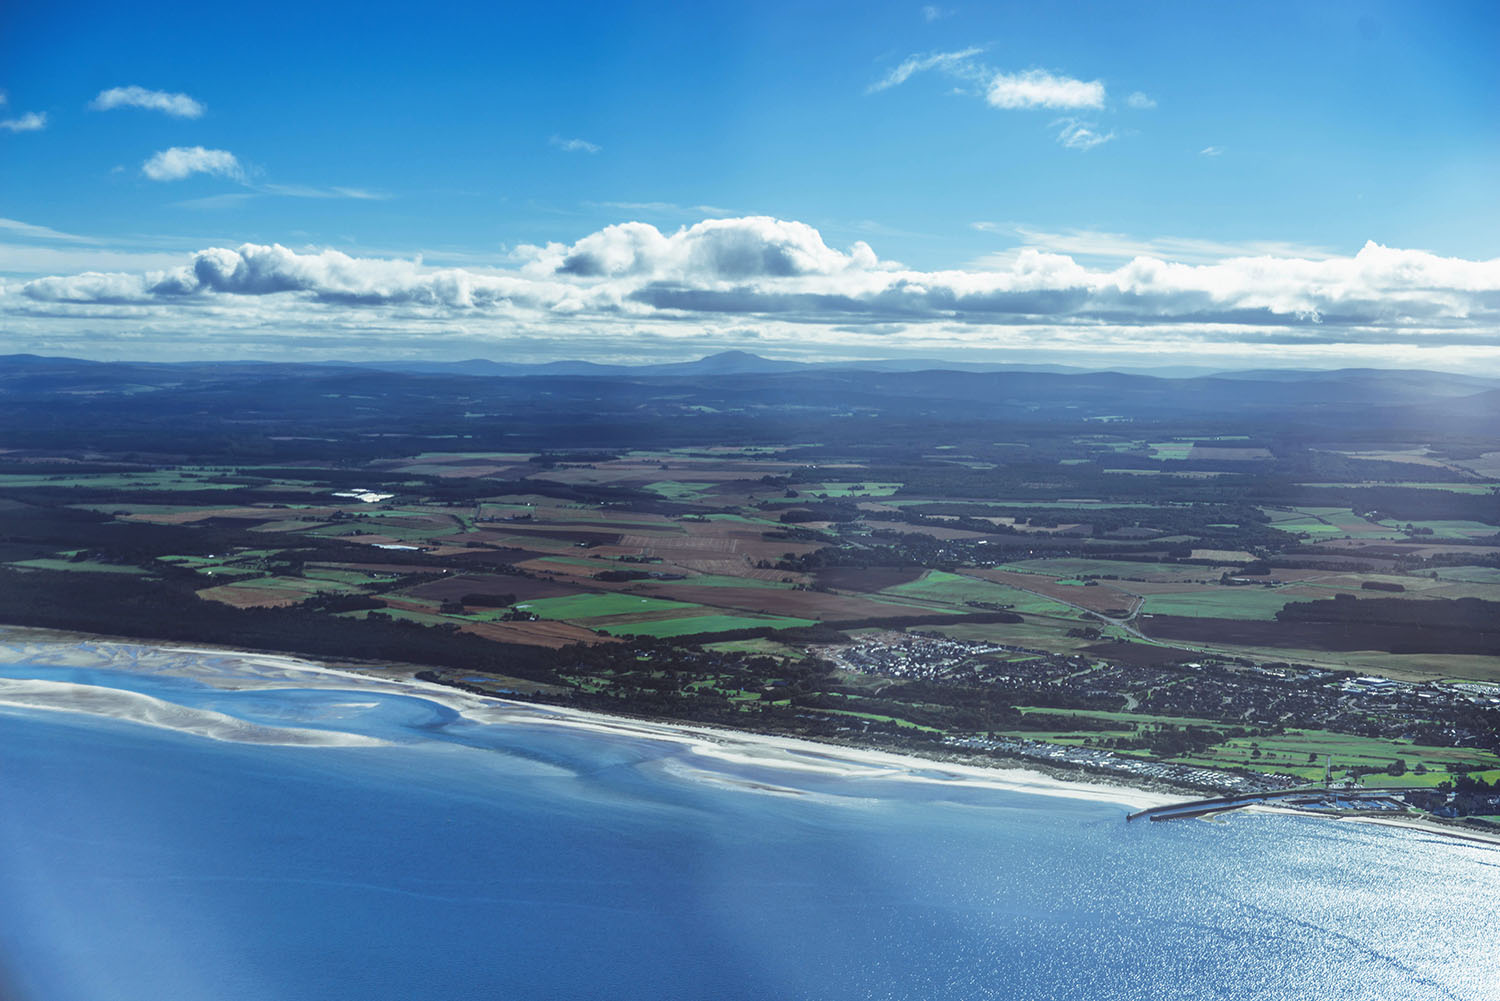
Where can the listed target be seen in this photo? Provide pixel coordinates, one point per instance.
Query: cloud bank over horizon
(762, 283)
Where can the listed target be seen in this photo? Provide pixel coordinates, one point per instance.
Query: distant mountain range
(728, 389)
(1375, 387)
(745, 363)
(742, 363)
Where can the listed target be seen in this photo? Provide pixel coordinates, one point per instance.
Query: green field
(1305, 524)
(1456, 488)
(197, 561)
(956, 589)
(306, 585)
(1290, 752)
(1296, 752)
(1072, 504)
(1121, 717)
(390, 527)
(850, 488)
(152, 480)
(876, 717)
(769, 647)
(592, 606)
(1170, 449)
(1075, 568)
(1448, 529)
(537, 543)
(227, 574)
(1247, 602)
(132, 508)
(165, 480)
(86, 566)
(679, 491)
(1332, 522)
(741, 519)
(720, 580)
(353, 578)
(1470, 575)
(693, 625)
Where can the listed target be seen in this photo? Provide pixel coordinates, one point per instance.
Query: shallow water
(527, 860)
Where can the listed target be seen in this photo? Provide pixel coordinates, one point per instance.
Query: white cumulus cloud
(1140, 101)
(177, 105)
(184, 161)
(1021, 91)
(633, 281)
(749, 247)
(1040, 89)
(32, 121)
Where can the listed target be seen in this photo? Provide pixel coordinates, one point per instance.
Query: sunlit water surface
(529, 860)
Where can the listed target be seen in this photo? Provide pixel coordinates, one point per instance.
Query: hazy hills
(727, 388)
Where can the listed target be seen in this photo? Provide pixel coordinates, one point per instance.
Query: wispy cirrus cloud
(176, 105)
(228, 200)
(1100, 245)
(666, 208)
(312, 191)
(1026, 90)
(957, 63)
(182, 162)
(1211, 151)
(30, 249)
(1140, 101)
(1080, 135)
(574, 145)
(15, 227)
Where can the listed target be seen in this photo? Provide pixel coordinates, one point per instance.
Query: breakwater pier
(1322, 800)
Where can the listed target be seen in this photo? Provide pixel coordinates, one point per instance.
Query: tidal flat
(399, 840)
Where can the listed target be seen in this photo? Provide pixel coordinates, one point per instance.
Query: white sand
(718, 751)
(63, 696)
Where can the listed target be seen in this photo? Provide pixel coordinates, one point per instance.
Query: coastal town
(1216, 690)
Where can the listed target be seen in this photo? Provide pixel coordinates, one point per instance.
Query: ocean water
(524, 859)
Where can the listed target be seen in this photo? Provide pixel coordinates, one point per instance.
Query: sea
(422, 852)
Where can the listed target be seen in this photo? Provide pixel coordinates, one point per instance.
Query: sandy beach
(716, 752)
(62, 696)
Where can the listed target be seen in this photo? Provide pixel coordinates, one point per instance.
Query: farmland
(713, 564)
(727, 548)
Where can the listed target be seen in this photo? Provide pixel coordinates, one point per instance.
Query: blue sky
(952, 180)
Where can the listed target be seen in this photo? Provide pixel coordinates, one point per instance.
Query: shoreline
(730, 746)
(733, 747)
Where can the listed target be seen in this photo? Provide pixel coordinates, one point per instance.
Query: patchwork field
(940, 587)
(857, 562)
(584, 606)
(697, 625)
